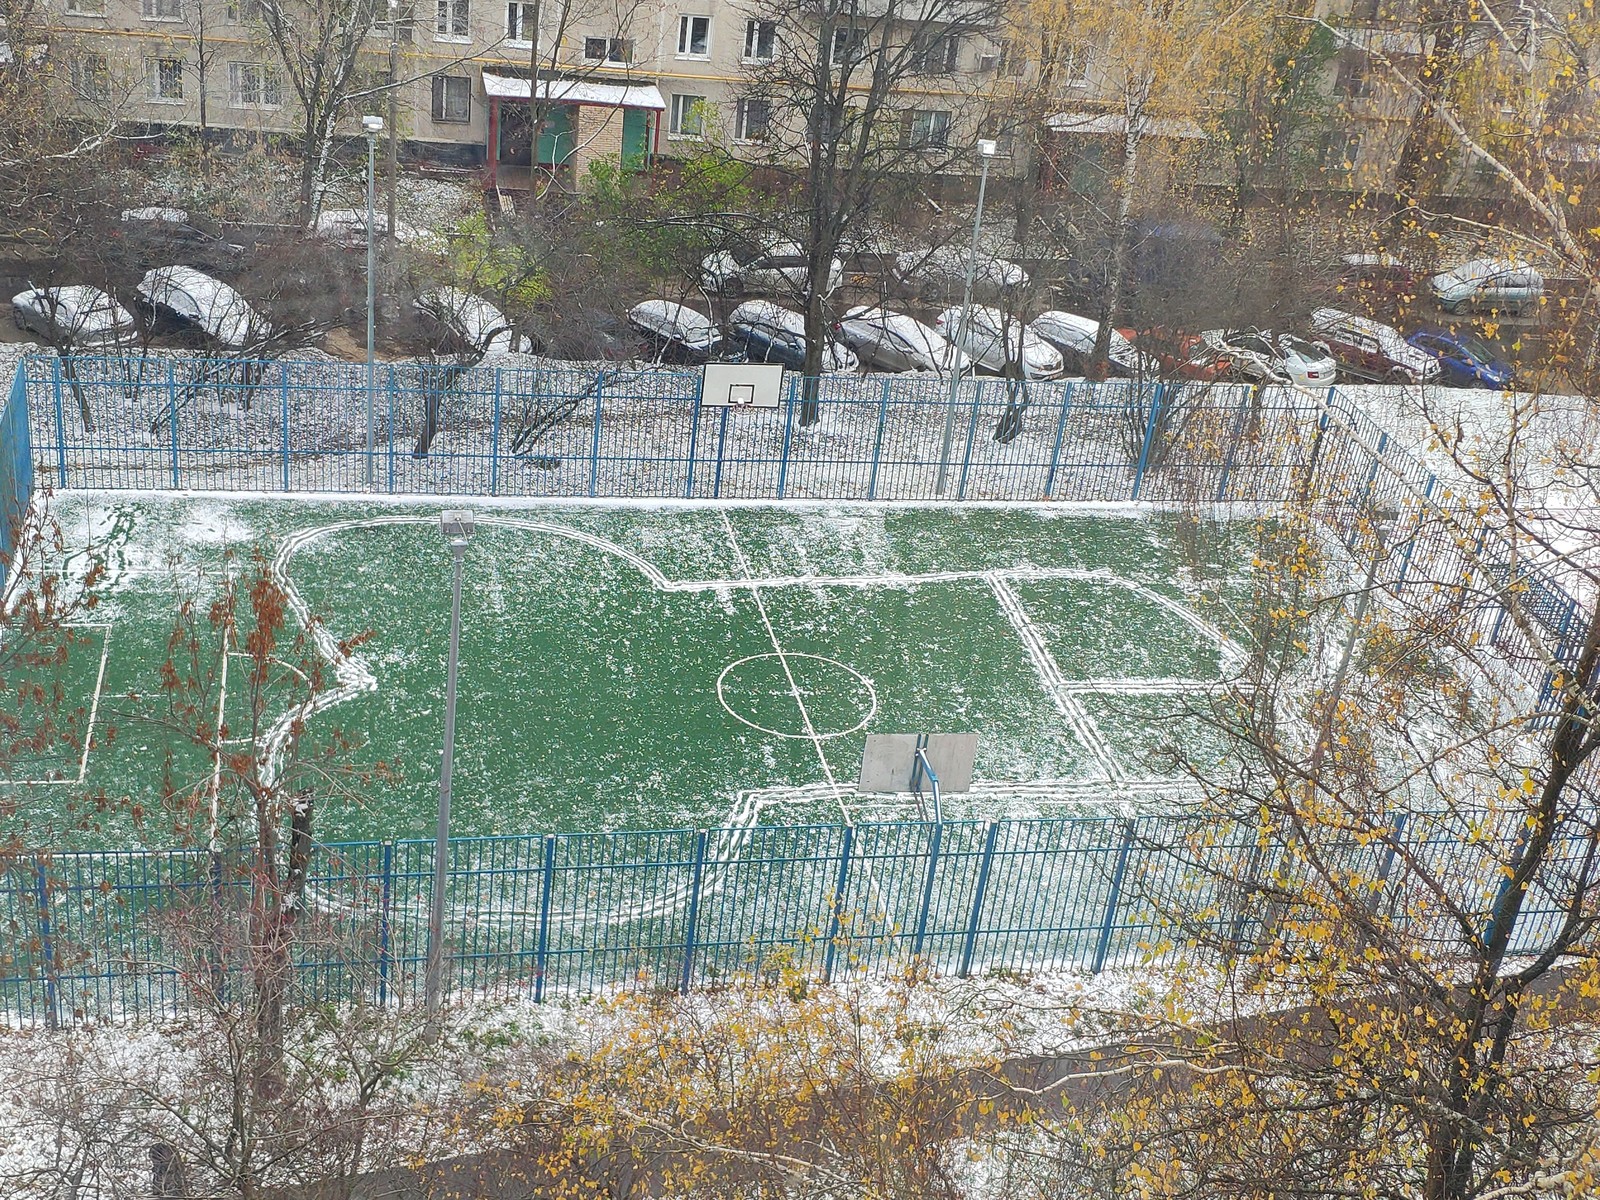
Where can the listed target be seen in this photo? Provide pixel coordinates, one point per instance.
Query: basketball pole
(457, 526)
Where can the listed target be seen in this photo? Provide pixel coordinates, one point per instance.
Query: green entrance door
(555, 138)
(636, 130)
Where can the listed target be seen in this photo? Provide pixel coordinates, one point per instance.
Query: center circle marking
(872, 696)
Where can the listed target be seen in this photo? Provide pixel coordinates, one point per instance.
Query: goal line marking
(94, 710)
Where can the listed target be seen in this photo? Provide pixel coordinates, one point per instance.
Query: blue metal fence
(16, 470)
(100, 935)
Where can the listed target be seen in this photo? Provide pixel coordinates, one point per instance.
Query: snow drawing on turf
(353, 677)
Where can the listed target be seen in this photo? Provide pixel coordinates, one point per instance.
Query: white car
(992, 340)
(1075, 336)
(767, 332)
(769, 266)
(676, 332)
(208, 304)
(79, 317)
(1488, 283)
(348, 227)
(892, 341)
(472, 321)
(1259, 356)
(944, 270)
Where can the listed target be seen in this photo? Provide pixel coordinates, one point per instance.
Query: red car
(1181, 355)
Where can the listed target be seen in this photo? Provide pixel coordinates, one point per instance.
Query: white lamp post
(456, 525)
(986, 150)
(373, 126)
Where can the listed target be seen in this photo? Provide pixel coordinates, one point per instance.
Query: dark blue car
(1465, 360)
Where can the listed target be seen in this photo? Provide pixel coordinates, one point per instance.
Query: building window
(86, 8)
(612, 50)
(694, 37)
(451, 20)
(452, 99)
(250, 85)
(936, 55)
(166, 78)
(926, 129)
(1340, 151)
(162, 10)
(1353, 79)
(243, 11)
(91, 76)
(519, 22)
(687, 116)
(753, 118)
(847, 45)
(759, 37)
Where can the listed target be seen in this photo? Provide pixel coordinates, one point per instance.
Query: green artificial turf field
(655, 666)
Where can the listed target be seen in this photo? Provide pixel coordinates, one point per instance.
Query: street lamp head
(456, 524)
(373, 125)
(988, 147)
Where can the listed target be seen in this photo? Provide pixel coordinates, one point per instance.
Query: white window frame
(439, 99)
(241, 11)
(619, 50)
(847, 44)
(94, 69)
(686, 26)
(753, 29)
(517, 26)
(153, 73)
(267, 86)
(682, 107)
(741, 130)
(452, 21)
(151, 10)
(938, 54)
(85, 8)
(928, 118)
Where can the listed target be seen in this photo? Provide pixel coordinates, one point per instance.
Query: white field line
(216, 754)
(94, 711)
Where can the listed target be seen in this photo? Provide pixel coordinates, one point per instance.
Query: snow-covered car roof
(217, 308)
(168, 216)
(349, 226)
(773, 316)
(79, 306)
(668, 318)
(950, 263)
(1477, 269)
(937, 347)
(473, 318)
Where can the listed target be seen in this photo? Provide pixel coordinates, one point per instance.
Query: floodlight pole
(373, 126)
(987, 150)
(457, 526)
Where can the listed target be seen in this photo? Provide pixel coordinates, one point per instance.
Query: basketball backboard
(888, 761)
(742, 385)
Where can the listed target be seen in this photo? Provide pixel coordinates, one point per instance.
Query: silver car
(891, 341)
(195, 298)
(1496, 284)
(992, 340)
(80, 317)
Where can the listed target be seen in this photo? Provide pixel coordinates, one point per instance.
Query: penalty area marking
(872, 696)
(94, 710)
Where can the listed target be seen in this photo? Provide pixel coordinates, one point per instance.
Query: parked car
(771, 265)
(1368, 349)
(891, 341)
(992, 340)
(191, 298)
(1488, 283)
(159, 231)
(79, 317)
(1263, 358)
(470, 323)
(1464, 360)
(1074, 337)
(676, 333)
(347, 227)
(1376, 281)
(942, 271)
(766, 332)
(1180, 355)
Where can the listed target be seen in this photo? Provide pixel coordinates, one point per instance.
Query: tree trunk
(1111, 310)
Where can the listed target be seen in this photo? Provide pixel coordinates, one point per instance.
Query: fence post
(47, 950)
(972, 433)
(1061, 430)
(927, 890)
(722, 438)
(836, 924)
(285, 427)
(172, 421)
(977, 900)
(788, 428)
(1388, 862)
(877, 446)
(542, 960)
(594, 444)
(1227, 462)
(61, 423)
(694, 436)
(385, 908)
(494, 443)
(1103, 946)
(693, 923)
(393, 390)
(1149, 434)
